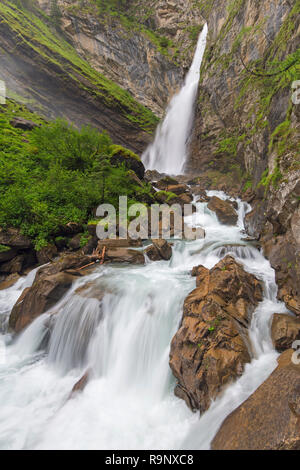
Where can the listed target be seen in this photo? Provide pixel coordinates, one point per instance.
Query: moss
(32, 31)
(168, 194)
(4, 248)
(126, 153)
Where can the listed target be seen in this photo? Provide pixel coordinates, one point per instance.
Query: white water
(124, 339)
(168, 151)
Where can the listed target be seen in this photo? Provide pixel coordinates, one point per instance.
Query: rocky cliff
(113, 68)
(247, 124)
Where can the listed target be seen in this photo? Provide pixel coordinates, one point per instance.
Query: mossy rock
(120, 155)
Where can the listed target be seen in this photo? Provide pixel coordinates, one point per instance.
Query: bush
(56, 174)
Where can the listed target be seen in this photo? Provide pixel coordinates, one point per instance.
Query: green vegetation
(259, 85)
(4, 248)
(33, 31)
(56, 174)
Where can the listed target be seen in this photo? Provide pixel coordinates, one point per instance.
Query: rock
(13, 238)
(81, 384)
(70, 261)
(224, 210)
(21, 123)
(71, 228)
(211, 346)
(15, 265)
(164, 183)
(75, 242)
(46, 254)
(152, 176)
(270, 418)
(160, 249)
(7, 255)
(285, 330)
(44, 294)
(124, 255)
(9, 281)
(131, 161)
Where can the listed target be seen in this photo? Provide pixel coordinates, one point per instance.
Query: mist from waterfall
(168, 152)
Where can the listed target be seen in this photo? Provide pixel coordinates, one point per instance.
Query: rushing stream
(124, 338)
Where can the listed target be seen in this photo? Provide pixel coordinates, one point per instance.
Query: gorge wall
(246, 133)
(95, 65)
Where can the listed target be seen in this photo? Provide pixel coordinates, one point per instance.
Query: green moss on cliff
(32, 31)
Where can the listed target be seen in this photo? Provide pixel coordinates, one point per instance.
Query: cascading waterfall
(124, 341)
(168, 152)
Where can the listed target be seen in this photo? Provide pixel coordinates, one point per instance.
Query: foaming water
(122, 335)
(168, 151)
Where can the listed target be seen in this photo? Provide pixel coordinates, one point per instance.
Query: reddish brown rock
(211, 346)
(81, 384)
(270, 418)
(224, 210)
(160, 250)
(44, 294)
(285, 330)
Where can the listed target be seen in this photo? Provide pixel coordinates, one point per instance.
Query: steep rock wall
(247, 126)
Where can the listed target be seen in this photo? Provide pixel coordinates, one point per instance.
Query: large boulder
(7, 253)
(211, 346)
(120, 156)
(285, 330)
(13, 238)
(224, 210)
(159, 250)
(270, 418)
(44, 294)
(124, 255)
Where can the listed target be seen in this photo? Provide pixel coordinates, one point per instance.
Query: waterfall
(168, 152)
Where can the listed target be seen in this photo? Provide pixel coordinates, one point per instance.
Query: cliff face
(247, 126)
(114, 68)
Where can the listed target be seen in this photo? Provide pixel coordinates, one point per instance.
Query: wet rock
(224, 210)
(285, 330)
(9, 281)
(124, 255)
(160, 250)
(212, 346)
(13, 238)
(81, 384)
(21, 123)
(270, 418)
(44, 294)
